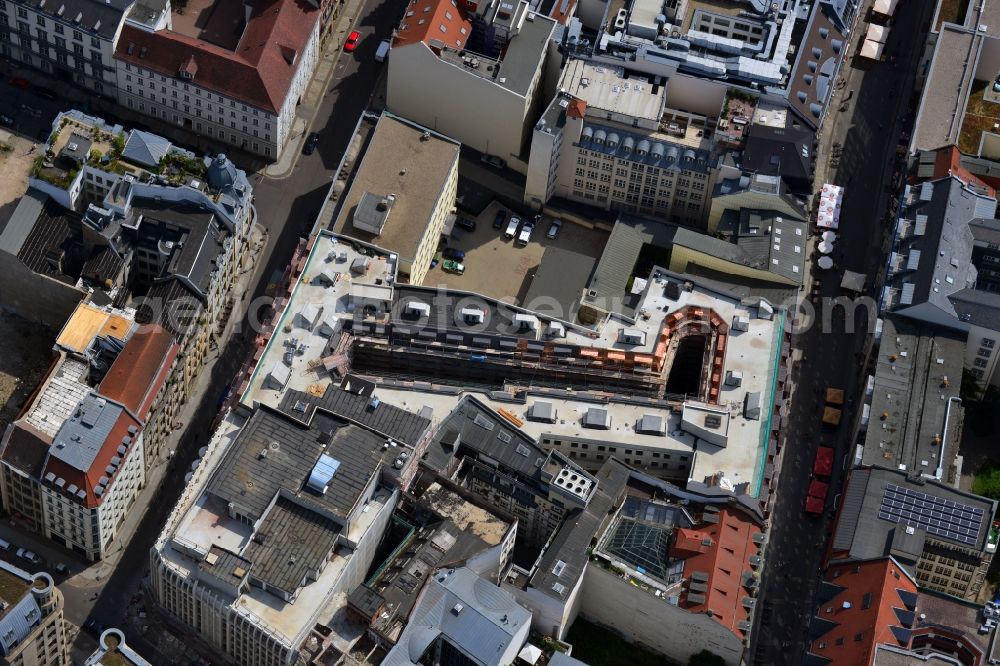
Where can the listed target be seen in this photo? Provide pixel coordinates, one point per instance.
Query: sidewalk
(326, 68)
(92, 576)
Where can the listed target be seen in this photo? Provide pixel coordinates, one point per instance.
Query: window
(988, 343)
(980, 363)
(58, 28)
(40, 20)
(95, 42)
(22, 12)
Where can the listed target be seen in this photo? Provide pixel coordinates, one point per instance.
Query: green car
(453, 266)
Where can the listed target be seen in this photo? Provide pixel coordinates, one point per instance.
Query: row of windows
(56, 26)
(173, 83)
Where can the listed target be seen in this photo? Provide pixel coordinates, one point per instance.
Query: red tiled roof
(577, 108)
(438, 20)
(862, 611)
(258, 72)
(88, 480)
(725, 559)
(140, 369)
(947, 163)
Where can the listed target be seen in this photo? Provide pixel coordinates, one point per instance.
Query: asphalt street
(868, 131)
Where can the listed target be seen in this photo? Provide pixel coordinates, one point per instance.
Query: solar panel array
(942, 518)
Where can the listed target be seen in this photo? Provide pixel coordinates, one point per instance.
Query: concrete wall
(35, 297)
(475, 110)
(976, 347)
(695, 94)
(644, 619)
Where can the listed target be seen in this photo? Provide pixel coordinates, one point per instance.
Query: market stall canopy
(885, 7)
(872, 50)
(826, 263)
(853, 281)
(824, 461)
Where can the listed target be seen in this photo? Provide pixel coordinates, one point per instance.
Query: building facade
(71, 41)
(32, 628)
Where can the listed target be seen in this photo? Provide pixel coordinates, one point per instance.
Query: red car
(19, 82)
(352, 41)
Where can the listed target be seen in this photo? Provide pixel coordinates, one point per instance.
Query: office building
(112, 650)
(943, 537)
(401, 194)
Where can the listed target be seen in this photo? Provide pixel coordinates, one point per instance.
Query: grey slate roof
(26, 449)
(913, 361)
(974, 306)
(250, 481)
(778, 150)
(225, 565)
(100, 17)
(669, 155)
(944, 263)
(22, 221)
(562, 276)
(80, 438)
(484, 626)
(524, 53)
(387, 420)
(477, 427)
(986, 230)
(145, 149)
(860, 533)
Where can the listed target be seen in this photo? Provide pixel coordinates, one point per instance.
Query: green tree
(987, 481)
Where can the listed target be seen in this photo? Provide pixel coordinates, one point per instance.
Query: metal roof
(84, 433)
(145, 149)
(471, 613)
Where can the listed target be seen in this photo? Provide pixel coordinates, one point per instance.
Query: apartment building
(72, 40)
(177, 226)
(87, 345)
(401, 194)
(32, 628)
(945, 538)
(485, 58)
(609, 140)
(238, 87)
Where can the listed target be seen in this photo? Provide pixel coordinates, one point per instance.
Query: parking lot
(496, 267)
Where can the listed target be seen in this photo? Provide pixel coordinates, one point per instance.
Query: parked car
(512, 226)
(382, 52)
(94, 627)
(453, 253)
(6, 120)
(352, 41)
(19, 82)
(61, 568)
(452, 266)
(466, 223)
(26, 554)
(4, 544)
(45, 93)
(499, 219)
(553, 229)
(494, 161)
(525, 235)
(310, 145)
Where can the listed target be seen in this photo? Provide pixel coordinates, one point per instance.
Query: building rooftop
(811, 82)
(249, 479)
(915, 414)
(784, 151)
(338, 276)
(931, 258)
(949, 83)
(433, 21)
(26, 448)
(468, 612)
(98, 17)
(407, 166)
(58, 397)
(90, 321)
(258, 71)
(607, 89)
(862, 606)
(878, 514)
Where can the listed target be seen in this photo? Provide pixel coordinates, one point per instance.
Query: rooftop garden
(178, 166)
(981, 116)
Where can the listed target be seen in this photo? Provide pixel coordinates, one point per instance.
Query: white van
(512, 226)
(382, 52)
(4, 544)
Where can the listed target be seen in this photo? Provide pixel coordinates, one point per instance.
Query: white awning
(877, 33)
(885, 7)
(872, 50)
